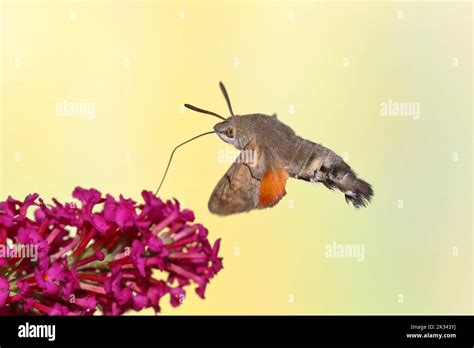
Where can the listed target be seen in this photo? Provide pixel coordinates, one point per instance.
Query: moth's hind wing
(255, 180)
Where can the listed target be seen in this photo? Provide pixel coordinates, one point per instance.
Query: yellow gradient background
(324, 68)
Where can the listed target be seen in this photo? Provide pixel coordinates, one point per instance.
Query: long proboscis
(172, 154)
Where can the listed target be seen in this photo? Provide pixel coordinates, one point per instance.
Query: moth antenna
(226, 96)
(172, 154)
(194, 108)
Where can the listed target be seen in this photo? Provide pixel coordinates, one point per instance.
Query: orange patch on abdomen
(272, 187)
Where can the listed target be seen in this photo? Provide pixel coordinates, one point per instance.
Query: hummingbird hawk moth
(276, 153)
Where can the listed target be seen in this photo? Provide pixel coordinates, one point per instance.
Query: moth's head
(232, 129)
(231, 132)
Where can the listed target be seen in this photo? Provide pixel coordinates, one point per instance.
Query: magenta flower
(101, 256)
(4, 291)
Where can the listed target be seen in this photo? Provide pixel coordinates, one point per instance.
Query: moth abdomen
(356, 191)
(361, 194)
(324, 166)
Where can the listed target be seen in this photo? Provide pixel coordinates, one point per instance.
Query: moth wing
(254, 181)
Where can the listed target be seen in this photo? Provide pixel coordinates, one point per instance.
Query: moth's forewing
(255, 180)
(237, 191)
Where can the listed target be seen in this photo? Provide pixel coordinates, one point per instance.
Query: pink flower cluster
(102, 255)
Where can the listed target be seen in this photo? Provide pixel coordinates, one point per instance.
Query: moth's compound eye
(229, 132)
